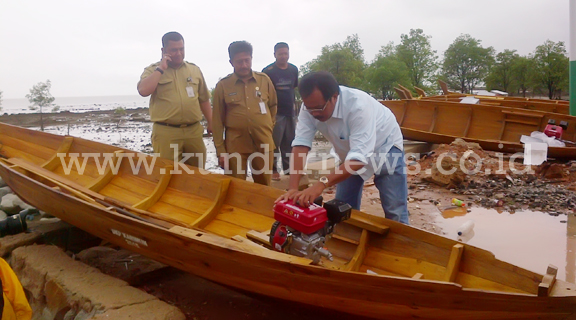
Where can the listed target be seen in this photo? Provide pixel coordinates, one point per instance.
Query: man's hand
(303, 198)
(164, 63)
(222, 162)
(148, 85)
(287, 196)
(209, 129)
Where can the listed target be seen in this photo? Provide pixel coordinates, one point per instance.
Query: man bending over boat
(364, 134)
(179, 98)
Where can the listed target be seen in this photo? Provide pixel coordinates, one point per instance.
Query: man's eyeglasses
(317, 109)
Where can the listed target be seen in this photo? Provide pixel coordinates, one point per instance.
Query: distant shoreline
(78, 104)
(68, 117)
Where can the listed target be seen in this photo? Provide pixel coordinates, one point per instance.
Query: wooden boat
(556, 106)
(200, 222)
(493, 127)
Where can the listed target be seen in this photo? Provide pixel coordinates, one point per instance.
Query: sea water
(528, 239)
(78, 104)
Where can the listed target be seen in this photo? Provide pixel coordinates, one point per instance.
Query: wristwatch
(159, 70)
(324, 180)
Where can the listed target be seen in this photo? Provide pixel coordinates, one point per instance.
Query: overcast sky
(100, 48)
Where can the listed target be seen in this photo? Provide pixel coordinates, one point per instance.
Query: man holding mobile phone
(179, 98)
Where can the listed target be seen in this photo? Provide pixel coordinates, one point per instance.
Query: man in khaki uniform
(245, 111)
(179, 98)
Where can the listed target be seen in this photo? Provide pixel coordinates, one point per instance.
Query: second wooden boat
(493, 127)
(556, 106)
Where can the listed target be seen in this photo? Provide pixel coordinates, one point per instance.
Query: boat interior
(242, 211)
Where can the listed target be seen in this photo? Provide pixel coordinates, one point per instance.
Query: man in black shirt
(284, 75)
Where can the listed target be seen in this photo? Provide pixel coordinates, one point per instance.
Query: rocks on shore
(493, 181)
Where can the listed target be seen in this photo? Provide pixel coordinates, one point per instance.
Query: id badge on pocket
(262, 107)
(190, 91)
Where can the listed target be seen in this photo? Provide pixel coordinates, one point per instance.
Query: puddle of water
(531, 240)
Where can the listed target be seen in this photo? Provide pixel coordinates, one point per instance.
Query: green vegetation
(416, 52)
(465, 65)
(386, 72)
(551, 68)
(344, 60)
(120, 111)
(40, 97)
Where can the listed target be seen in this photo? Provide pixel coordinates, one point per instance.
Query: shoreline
(28, 120)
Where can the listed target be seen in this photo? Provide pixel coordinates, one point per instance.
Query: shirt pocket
(194, 85)
(235, 113)
(264, 97)
(166, 87)
(232, 101)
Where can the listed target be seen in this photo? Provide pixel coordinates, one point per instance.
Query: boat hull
(262, 271)
(492, 127)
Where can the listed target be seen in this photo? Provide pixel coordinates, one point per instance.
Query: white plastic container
(465, 228)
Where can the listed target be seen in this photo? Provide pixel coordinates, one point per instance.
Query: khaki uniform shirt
(173, 101)
(237, 114)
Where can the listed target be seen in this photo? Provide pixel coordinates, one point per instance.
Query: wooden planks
(406, 91)
(215, 208)
(421, 93)
(358, 258)
(262, 238)
(548, 281)
(27, 146)
(164, 209)
(404, 252)
(105, 178)
(245, 218)
(454, 263)
(401, 93)
(158, 191)
(362, 222)
(493, 127)
(186, 201)
(53, 162)
(400, 265)
(10, 152)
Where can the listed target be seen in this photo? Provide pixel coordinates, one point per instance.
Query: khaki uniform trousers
(188, 140)
(260, 165)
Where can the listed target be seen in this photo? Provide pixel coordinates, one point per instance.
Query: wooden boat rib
(556, 106)
(201, 223)
(493, 127)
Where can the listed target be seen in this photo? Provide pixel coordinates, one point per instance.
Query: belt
(184, 125)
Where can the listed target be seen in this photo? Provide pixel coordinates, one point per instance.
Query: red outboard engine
(303, 231)
(552, 130)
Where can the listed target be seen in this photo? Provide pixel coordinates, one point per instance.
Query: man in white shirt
(364, 134)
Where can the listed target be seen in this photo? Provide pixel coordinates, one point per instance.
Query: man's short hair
(321, 80)
(239, 46)
(171, 36)
(281, 45)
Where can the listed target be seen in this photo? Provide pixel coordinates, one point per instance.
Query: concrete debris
(61, 288)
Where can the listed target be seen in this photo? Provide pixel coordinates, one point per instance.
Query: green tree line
(465, 65)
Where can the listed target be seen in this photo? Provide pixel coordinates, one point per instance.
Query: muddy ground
(480, 178)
